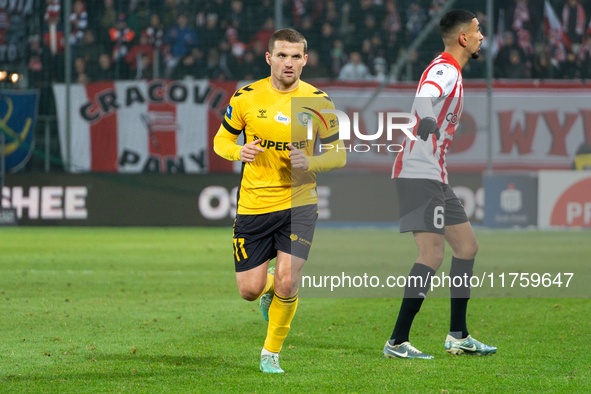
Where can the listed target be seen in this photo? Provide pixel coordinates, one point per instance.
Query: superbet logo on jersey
(344, 125)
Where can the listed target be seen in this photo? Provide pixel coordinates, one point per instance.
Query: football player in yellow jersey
(277, 202)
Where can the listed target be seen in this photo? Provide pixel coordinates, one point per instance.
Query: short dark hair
(289, 35)
(453, 20)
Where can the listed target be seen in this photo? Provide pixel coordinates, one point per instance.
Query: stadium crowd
(348, 40)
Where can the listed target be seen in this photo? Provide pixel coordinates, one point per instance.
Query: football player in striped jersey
(428, 206)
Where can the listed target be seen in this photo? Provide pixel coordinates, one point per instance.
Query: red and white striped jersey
(441, 87)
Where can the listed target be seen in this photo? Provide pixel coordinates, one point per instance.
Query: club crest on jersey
(304, 117)
(280, 118)
(229, 112)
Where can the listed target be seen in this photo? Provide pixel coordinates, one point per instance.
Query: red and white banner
(553, 28)
(168, 126)
(564, 199)
(143, 126)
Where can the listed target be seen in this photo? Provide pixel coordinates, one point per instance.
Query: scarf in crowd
(521, 15)
(580, 26)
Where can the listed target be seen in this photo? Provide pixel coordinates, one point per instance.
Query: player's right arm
(224, 142)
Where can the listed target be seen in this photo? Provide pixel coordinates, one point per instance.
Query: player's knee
(432, 258)
(283, 286)
(249, 294)
(467, 250)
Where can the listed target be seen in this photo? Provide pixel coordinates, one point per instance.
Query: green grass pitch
(156, 310)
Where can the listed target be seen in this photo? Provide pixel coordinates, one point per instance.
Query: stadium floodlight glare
(14, 78)
(3, 75)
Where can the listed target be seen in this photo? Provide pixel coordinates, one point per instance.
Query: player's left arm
(334, 156)
(439, 83)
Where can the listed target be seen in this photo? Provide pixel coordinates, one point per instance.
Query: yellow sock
(269, 287)
(280, 316)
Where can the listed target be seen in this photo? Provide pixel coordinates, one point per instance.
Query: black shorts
(428, 205)
(257, 238)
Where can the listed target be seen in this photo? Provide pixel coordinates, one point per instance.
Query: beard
(475, 55)
(287, 81)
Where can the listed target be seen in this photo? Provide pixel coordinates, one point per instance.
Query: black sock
(459, 296)
(414, 294)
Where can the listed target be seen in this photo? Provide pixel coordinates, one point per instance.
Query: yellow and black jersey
(260, 111)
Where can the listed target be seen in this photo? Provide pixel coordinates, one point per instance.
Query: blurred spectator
(139, 14)
(416, 17)
(391, 25)
(516, 68)
(181, 40)
(524, 42)
(121, 38)
(104, 71)
(52, 11)
(338, 57)
(80, 75)
(313, 68)
(53, 28)
(155, 32)
(39, 61)
(234, 19)
(78, 21)
(265, 33)
(53, 37)
(354, 70)
(211, 33)
(558, 52)
(570, 68)
(325, 46)
(214, 71)
(135, 56)
(251, 69)
(261, 11)
(90, 50)
(360, 10)
(524, 14)
(259, 49)
(380, 69)
(436, 6)
(379, 60)
(300, 8)
(108, 18)
(541, 68)
(414, 68)
(584, 58)
(502, 61)
(171, 14)
(369, 29)
(238, 47)
(309, 30)
(145, 68)
(228, 64)
(193, 64)
(331, 14)
(573, 22)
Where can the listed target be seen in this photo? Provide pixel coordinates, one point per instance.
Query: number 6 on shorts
(439, 217)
